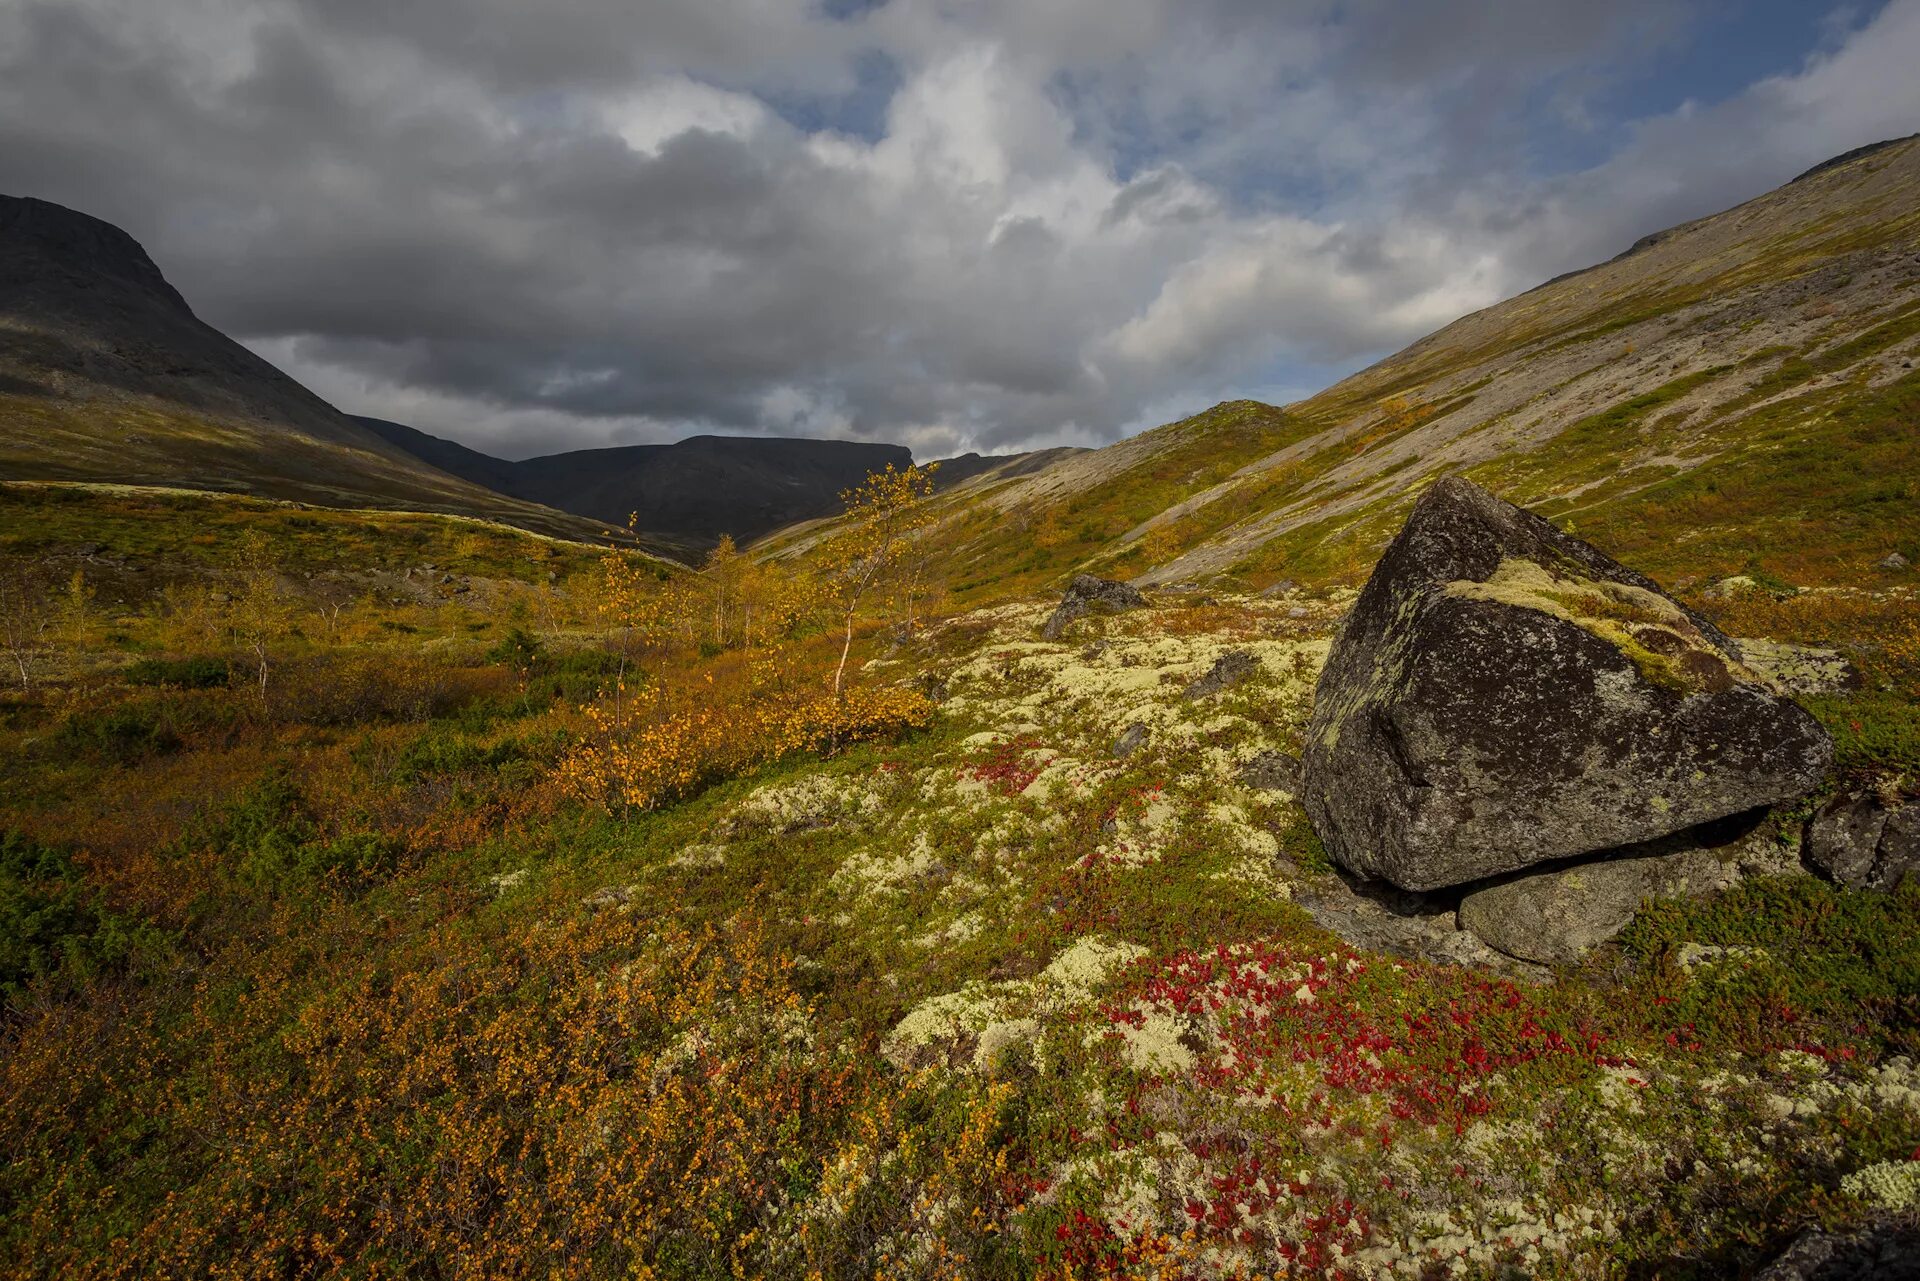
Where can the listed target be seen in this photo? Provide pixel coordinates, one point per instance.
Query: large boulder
(1503, 694)
(1087, 594)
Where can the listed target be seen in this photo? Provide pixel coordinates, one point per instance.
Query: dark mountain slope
(958, 470)
(706, 486)
(106, 375)
(693, 490)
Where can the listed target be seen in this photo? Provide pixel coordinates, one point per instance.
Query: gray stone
(1732, 585)
(1130, 740)
(1227, 671)
(1887, 1249)
(1799, 669)
(1557, 916)
(1089, 595)
(1861, 843)
(1271, 772)
(1504, 695)
(1424, 927)
(1893, 561)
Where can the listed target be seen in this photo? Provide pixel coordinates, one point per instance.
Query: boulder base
(1557, 916)
(1504, 695)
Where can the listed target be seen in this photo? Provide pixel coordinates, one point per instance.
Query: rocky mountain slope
(107, 375)
(1732, 395)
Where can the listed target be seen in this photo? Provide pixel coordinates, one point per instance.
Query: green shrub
(518, 649)
(1829, 966)
(181, 673)
(1872, 732)
(441, 752)
(55, 932)
(275, 841)
(119, 736)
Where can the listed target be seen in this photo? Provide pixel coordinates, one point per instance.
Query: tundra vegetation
(389, 895)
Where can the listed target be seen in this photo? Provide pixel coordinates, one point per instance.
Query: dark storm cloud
(554, 225)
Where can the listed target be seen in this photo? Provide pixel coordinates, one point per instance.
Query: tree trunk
(845, 648)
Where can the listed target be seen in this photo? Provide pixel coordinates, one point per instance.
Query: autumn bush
(639, 759)
(739, 672)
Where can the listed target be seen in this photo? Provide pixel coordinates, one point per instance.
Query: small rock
(1271, 772)
(1087, 594)
(1732, 585)
(1892, 561)
(616, 897)
(1377, 917)
(1298, 611)
(1885, 1250)
(1227, 671)
(1130, 739)
(1862, 844)
(1556, 917)
(1799, 669)
(1691, 956)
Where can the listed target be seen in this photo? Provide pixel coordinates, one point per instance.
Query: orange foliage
(760, 711)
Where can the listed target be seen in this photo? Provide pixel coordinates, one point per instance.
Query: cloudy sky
(533, 225)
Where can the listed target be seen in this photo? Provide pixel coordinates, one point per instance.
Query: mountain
(702, 487)
(1733, 395)
(693, 490)
(106, 375)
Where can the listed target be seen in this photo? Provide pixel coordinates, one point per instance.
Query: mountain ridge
(108, 376)
(700, 487)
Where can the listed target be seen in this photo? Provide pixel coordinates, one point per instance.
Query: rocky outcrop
(1089, 595)
(1859, 842)
(1504, 695)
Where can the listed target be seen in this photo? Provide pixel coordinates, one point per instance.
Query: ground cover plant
(576, 926)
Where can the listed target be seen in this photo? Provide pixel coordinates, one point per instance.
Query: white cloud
(588, 221)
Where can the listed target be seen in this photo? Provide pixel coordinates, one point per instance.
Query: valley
(399, 875)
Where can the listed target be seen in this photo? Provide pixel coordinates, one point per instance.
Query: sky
(950, 224)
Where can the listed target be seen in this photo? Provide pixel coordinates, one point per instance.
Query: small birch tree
(26, 620)
(258, 612)
(883, 516)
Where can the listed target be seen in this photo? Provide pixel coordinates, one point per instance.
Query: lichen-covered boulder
(1503, 694)
(1087, 594)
